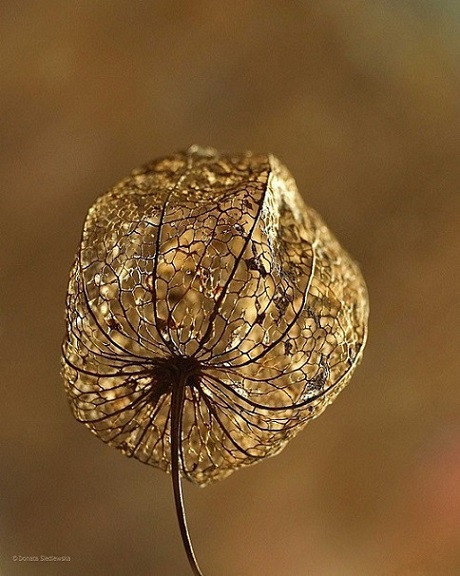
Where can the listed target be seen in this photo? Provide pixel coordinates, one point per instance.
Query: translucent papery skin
(206, 271)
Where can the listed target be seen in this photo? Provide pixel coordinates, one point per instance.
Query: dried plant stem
(177, 403)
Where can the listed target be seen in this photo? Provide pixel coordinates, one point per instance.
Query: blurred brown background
(361, 101)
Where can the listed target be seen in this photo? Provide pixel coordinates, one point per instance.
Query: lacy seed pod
(210, 316)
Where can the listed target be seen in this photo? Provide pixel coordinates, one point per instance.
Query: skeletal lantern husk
(207, 271)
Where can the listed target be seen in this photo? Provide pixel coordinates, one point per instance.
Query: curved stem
(177, 405)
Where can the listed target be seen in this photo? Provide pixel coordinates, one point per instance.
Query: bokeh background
(361, 100)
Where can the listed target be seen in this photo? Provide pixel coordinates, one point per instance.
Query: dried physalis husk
(210, 315)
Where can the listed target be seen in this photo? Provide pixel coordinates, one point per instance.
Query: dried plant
(210, 316)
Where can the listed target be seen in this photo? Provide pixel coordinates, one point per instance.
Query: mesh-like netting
(206, 272)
